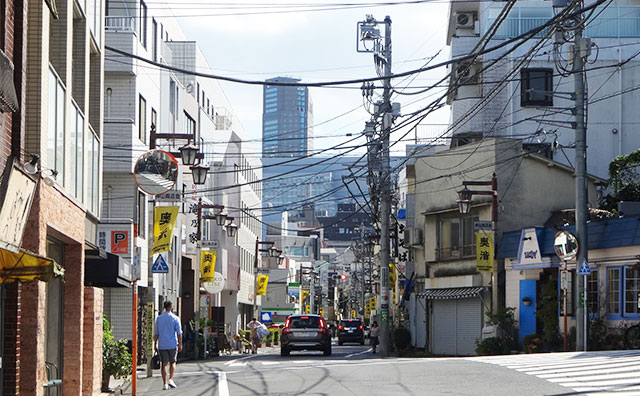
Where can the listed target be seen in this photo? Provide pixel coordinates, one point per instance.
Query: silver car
(305, 333)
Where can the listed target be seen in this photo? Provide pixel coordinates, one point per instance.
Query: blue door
(527, 308)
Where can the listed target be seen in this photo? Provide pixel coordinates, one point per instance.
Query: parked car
(350, 330)
(305, 333)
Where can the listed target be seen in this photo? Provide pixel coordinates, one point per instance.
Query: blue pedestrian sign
(584, 268)
(160, 266)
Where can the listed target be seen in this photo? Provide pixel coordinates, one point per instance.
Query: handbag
(263, 331)
(155, 361)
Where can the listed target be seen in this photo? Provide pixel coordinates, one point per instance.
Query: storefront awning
(25, 267)
(451, 293)
(104, 269)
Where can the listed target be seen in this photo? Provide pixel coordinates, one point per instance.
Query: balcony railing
(612, 22)
(120, 24)
(433, 134)
(456, 252)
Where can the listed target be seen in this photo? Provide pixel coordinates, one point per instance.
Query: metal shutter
(456, 326)
(444, 327)
(468, 325)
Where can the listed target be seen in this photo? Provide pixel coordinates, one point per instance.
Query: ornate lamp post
(465, 195)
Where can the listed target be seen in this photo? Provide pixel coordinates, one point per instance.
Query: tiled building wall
(92, 348)
(12, 350)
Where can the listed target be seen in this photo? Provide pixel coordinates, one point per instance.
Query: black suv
(350, 330)
(305, 333)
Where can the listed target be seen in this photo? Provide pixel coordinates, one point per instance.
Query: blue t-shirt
(167, 329)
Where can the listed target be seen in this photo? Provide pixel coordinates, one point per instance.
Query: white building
(525, 105)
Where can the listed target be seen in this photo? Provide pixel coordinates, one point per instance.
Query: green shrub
(401, 338)
(116, 359)
(493, 346)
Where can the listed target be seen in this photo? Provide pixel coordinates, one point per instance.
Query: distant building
(287, 120)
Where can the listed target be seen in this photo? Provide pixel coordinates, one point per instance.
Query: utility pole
(385, 198)
(581, 48)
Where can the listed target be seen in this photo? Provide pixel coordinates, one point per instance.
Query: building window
(142, 210)
(613, 291)
(56, 125)
(457, 238)
(593, 295)
(93, 180)
(536, 87)
(77, 153)
(189, 124)
(631, 290)
(143, 24)
(142, 119)
(154, 117)
(173, 105)
(154, 38)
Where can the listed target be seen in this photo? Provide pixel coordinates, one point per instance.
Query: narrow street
(353, 370)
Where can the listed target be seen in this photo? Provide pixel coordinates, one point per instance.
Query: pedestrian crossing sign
(584, 268)
(160, 266)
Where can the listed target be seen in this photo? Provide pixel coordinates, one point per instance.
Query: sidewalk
(151, 385)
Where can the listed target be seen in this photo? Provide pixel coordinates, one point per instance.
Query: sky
(315, 46)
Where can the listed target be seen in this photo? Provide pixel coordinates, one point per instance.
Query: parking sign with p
(120, 242)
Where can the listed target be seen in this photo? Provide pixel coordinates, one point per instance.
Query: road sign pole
(586, 335)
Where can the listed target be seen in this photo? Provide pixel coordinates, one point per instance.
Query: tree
(624, 180)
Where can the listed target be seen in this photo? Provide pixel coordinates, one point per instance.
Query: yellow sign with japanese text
(207, 265)
(372, 303)
(261, 289)
(353, 314)
(164, 220)
(484, 251)
(303, 295)
(307, 309)
(321, 311)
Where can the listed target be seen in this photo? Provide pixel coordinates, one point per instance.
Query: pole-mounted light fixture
(189, 152)
(280, 259)
(232, 228)
(273, 251)
(464, 201)
(221, 218)
(199, 173)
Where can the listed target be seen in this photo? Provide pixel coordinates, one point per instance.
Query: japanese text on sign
(484, 251)
(207, 265)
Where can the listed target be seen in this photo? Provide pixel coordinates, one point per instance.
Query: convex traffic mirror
(565, 245)
(156, 172)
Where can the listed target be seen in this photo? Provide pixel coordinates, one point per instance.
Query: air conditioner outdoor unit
(416, 237)
(466, 73)
(406, 241)
(465, 20)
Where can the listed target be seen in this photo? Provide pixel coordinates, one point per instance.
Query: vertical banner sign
(372, 303)
(307, 309)
(164, 220)
(263, 280)
(321, 311)
(303, 295)
(149, 329)
(484, 251)
(207, 265)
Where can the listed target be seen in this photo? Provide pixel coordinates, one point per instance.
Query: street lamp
(221, 217)
(255, 269)
(464, 203)
(280, 259)
(465, 195)
(199, 173)
(232, 228)
(189, 152)
(273, 251)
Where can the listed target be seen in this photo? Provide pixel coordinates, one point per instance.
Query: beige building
(57, 323)
(447, 312)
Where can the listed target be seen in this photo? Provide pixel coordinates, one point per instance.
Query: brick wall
(92, 348)
(32, 330)
(11, 358)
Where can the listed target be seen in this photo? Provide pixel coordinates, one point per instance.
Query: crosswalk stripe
(604, 373)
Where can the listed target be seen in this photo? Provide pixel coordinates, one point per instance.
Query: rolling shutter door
(456, 326)
(444, 325)
(468, 325)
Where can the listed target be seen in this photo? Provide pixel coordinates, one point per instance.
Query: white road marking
(231, 362)
(223, 387)
(359, 353)
(270, 363)
(604, 373)
(239, 364)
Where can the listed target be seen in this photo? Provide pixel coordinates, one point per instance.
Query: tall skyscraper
(287, 118)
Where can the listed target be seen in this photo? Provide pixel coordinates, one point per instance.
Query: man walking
(168, 342)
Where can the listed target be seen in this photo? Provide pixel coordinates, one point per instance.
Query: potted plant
(116, 359)
(276, 336)
(268, 338)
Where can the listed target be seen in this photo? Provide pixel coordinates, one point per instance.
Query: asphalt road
(351, 370)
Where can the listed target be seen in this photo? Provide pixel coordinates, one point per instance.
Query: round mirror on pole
(156, 172)
(565, 245)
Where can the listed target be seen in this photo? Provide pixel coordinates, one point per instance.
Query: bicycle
(632, 337)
